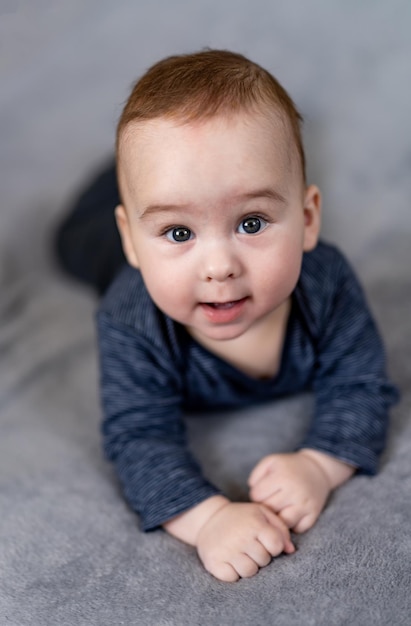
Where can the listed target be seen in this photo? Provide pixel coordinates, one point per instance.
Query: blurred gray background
(67, 67)
(70, 550)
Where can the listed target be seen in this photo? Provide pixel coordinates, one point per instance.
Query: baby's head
(193, 88)
(215, 211)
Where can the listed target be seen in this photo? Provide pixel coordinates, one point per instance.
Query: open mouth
(222, 305)
(223, 312)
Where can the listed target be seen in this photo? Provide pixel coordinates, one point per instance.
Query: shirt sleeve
(143, 430)
(352, 391)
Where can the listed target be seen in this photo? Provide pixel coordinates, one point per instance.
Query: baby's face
(216, 217)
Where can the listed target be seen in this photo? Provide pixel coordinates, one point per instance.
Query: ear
(312, 217)
(123, 226)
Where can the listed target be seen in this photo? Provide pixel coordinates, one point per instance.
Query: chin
(223, 334)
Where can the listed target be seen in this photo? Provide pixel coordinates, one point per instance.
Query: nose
(220, 263)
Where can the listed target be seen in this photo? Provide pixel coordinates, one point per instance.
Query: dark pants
(88, 245)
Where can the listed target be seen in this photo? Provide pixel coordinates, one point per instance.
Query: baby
(229, 298)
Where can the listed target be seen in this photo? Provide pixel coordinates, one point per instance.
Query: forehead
(164, 156)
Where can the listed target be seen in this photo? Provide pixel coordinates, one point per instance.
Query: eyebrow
(161, 208)
(266, 192)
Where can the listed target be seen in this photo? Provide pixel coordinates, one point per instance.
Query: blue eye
(252, 225)
(179, 234)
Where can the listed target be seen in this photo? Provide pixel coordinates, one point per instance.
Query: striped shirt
(152, 371)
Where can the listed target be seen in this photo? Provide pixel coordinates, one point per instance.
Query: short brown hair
(194, 87)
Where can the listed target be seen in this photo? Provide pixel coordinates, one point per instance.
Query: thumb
(278, 523)
(260, 470)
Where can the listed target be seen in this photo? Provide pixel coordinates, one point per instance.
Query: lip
(223, 312)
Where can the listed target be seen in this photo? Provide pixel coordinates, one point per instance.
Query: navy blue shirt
(152, 371)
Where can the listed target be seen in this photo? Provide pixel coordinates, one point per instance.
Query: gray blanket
(71, 553)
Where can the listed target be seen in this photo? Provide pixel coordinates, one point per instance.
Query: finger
(265, 488)
(276, 521)
(289, 547)
(305, 523)
(273, 540)
(225, 572)
(291, 516)
(259, 470)
(244, 565)
(277, 501)
(276, 539)
(259, 553)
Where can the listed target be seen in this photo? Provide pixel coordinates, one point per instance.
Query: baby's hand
(295, 486)
(240, 538)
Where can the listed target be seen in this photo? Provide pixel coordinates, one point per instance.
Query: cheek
(156, 278)
(166, 280)
(280, 267)
(160, 289)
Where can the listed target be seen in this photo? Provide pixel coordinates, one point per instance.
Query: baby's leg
(87, 242)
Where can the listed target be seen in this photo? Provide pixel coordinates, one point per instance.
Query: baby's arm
(296, 485)
(233, 540)
(352, 398)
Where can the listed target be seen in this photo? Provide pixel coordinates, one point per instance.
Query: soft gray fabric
(70, 550)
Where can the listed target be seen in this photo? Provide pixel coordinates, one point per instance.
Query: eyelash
(168, 232)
